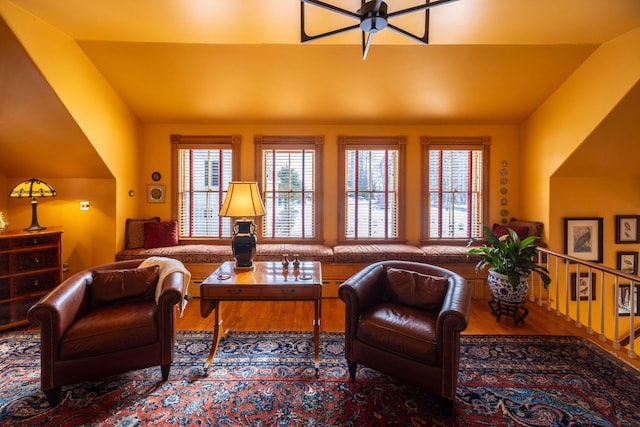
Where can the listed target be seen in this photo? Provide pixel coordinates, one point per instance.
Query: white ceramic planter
(502, 290)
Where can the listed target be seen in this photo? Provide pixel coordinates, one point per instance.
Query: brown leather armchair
(404, 319)
(89, 331)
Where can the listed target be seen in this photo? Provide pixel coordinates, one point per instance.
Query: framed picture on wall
(155, 193)
(628, 262)
(580, 286)
(627, 229)
(583, 238)
(624, 300)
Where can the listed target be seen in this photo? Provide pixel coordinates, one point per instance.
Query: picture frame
(155, 193)
(580, 287)
(583, 238)
(624, 298)
(628, 262)
(627, 228)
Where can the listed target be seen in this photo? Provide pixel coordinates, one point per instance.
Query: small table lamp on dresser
(33, 188)
(243, 201)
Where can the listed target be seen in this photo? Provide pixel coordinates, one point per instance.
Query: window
(291, 184)
(455, 182)
(372, 185)
(203, 166)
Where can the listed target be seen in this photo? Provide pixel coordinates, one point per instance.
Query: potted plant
(510, 262)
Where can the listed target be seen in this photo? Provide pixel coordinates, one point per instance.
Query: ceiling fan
(373, 17)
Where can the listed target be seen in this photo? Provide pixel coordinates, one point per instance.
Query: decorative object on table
(155, 193)
(3, 222)
(33, 188)
(627, 229)
(243, 201)
(511, 261)
(296, 261)
(583, 238)
(285, 261)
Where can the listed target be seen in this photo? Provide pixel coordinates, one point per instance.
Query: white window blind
(289, 193)
(204, 175)
(371, 191)
(455, 193)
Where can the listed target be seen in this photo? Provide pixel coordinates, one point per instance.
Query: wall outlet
(65, 267)
(84, 205)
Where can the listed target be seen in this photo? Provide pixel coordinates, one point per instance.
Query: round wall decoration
(156, 176)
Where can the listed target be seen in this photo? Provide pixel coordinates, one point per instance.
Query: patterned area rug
(268, 379)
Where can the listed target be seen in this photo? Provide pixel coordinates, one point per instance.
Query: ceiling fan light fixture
(372, 20)
(373, 17)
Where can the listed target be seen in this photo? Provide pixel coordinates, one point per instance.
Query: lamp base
(34, 218)
(35, 227)
(243, 244)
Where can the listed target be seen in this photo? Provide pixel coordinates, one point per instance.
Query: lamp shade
(32, 188)
(242, 200)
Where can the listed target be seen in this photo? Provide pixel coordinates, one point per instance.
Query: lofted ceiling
(221, 61)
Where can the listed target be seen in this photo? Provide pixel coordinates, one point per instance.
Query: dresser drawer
(26, 261)
(284, 292)
(28, 242)
(36, 282)
(5, 288)
(229, 292)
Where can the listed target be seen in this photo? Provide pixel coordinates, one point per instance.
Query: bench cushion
(187, 254)
(373, 253)
(274, 252)
(443, 254)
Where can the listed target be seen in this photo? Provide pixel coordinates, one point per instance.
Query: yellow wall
(504, 146)
(104, 118)
(575, 151)
(568, 117)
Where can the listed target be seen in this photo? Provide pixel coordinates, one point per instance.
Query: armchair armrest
(62, 306)
(359, 293)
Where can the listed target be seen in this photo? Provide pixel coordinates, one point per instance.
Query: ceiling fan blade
(304, 37)
(308, 38)
(332, 8)
(419, 8)
(424, 39)
(366, 44)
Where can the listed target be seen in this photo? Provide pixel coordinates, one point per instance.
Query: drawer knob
(36, 260)
(288, 292)
(234, 292)
(36, 283)
(35, 241)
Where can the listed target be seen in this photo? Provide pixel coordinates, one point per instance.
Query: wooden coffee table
(267, 281)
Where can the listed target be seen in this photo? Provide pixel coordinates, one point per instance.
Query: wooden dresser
(30, 266)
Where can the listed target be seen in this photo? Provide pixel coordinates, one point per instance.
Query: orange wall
(156, 149)
(106, 121)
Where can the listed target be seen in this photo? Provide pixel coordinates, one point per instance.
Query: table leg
(217, 336)
(316, 336)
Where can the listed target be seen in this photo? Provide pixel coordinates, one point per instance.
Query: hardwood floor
(298, 316)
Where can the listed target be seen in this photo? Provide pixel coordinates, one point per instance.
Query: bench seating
(338, 262)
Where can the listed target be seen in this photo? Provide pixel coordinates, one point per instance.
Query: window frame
(207, 142)
(346, 143)
(451, 143)
(289, 142)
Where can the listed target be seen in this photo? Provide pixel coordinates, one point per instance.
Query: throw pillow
(535, 227)
(415, 289)
(160, 234)
(112, 286)
(503, 230)
(134, 232)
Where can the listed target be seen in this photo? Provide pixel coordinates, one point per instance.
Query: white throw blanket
(166, 267)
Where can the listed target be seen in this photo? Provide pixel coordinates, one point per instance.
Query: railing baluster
(604, 307)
